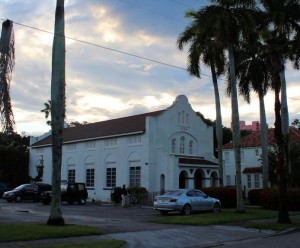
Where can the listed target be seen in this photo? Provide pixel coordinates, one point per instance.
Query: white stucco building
(167, 149)
(251, 167)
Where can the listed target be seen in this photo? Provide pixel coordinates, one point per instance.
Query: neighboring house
(255, 126)
(250, 159)
(162, 150)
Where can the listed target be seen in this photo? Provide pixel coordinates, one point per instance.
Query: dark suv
(26, 192)
(70, 192)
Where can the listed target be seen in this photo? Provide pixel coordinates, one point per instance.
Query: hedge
(269, 199)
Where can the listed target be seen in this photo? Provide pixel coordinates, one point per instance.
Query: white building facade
(251, 165)
(162, 150)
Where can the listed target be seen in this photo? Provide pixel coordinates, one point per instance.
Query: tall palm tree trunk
(219, 130)
(236, 131)
(264, 141)
(283, 215)
(57, 112)
(285, 120)
(7, 62)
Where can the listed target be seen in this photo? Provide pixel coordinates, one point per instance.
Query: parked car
(26, 192)
(70, 192)
(186, 201)
(4, 187)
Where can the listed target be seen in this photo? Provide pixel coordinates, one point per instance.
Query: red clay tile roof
(254, 139)
(104, 129)
(252, 170)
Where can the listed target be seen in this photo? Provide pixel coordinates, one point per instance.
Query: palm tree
(254, 73)
(230, 22)
(57, 111)
(204, 48)
(281, 35)
(7, 63)
(47, 111)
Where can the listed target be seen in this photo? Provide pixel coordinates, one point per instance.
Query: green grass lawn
(252, 219)
(226, 216)
(18, 232)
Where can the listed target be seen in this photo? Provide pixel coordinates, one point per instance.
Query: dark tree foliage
(14, 162)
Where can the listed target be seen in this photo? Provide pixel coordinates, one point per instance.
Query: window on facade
(191, 147)
(71, 147)
(71, 175)
(187, 119)
(39, 150)
(110, 143)
(182, 116)
(228, 180)
(134, 140)
(111, 177)
(179, 117)
(173, 145)
(135, 176)
(182, 145)
(90, 178)
(226, 158)
(256, 152)
(249, 181)
(89, 145)
(256, 181)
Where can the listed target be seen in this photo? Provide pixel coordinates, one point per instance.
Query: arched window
(191, 147)
(182, 145)
(173, 145)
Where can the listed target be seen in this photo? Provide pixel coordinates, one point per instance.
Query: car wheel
(82, 201)
(187, 209)
(217, 208)
(163, 212)
(18, 199)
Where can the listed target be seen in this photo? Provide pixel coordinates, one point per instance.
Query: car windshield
(21, 186)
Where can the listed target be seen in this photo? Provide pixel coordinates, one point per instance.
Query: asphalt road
(132, 224)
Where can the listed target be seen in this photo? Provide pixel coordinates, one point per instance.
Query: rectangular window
(228, 180)
(256, 181)
(110, 143)
(90, 178)
(249, 181)
(111, 177)
(134, 140)
(227, 158)
(256, 152)
(71, 147)
(135, 176)
(71, 176)
(89, 145)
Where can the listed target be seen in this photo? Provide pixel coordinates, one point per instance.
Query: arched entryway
(198, 178)
(214, 180)
(182, 179)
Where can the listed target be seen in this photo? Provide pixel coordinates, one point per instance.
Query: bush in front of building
(227, 195)
(269, 199)
(254, 196)
(138, 194)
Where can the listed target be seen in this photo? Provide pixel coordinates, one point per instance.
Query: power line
(106, 48)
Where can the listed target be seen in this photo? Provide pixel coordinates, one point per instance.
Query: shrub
(226, 195)
(254, 196)
(269, 199)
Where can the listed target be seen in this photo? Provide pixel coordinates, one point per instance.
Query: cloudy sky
(103, 80)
